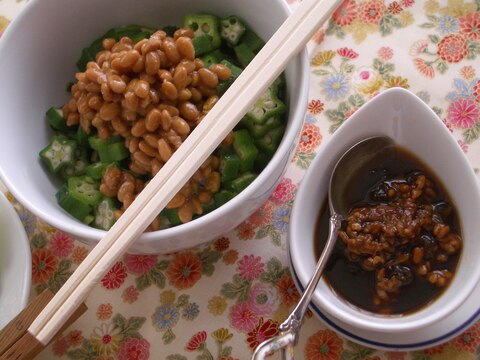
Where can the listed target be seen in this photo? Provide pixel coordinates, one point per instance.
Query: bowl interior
(55, 33)
(405, 118)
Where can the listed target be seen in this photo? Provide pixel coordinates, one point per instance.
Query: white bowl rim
(377, 322)
(83, 231)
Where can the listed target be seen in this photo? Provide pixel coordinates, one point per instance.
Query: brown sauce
(400, 244)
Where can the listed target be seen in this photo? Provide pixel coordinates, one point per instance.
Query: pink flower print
(250, 267)
(408, 3)
(60, 346)
(463, 113)
(263, 215)
(130, 294)
(347, 53)
(264, 299)
(309, 139)
(134, 349)
(470, 26)
(284, 191)
(385, 52)
(115, 277)
(61, 244)
(418, 47)
(452, 48)
(463, 145)
(139, 264)
(242, 317)
(448, 125)
(476, 91)
(315, 106)
(395, 8)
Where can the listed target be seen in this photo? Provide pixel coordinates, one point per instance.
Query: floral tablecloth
(221, 300)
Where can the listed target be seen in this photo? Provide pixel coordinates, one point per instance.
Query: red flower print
(263, 215)
(448, 125)
(44, 264)
(395, 355)
(346, 13)
(134, 349)
(246, 230)
(309, 139)
(288, 290)
(385, 52)
(452, 48)
(476, 91)
(130, 294)
(115, 277)
(221, 244)
(463, 113)
(250, 267)
(263, 331)
(284, 191)
(79, 254)
(242, 317)
(319, 36)
(424, 68)
(60, 346)
(197, 342)
(61, 244)
(139, 264)
(470, 26)
(469, 340)
(104, 311)
(371, 11)
(395, 8)
(230, 257)
(347, 53)
(185, 270)
(435, 350)
(408, 3)
(323, 345)
(74, 337)
(315, 106)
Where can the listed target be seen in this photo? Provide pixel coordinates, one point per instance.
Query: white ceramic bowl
(15, 263)
(38, 54)
(402, 116)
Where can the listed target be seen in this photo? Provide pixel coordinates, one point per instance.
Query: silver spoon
(348, 165)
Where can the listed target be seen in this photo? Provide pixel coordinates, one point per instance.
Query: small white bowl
(15, 263)
(34, 78)
(402, 116)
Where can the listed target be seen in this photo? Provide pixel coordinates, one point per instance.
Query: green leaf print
(356, 352)
(386, 24)
(434, 38)
(208, 258)
(86, 352)
(274, 271)
(176, 357)
(143, 281)
(304, 160)
(239, 288)
(442, 67)
(263, 232)
(418, 355)
(356, 100)
(470, 135)
(130, 327)
(61, 275)
(168, 336)
(383, 68)
(39, 241)
(182, 300)
(473, 49)
(427, 25)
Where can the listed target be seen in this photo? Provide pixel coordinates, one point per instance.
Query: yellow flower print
(371, 87)
(217, 305)
(322, 57)
(397, 81)
(167, 297)
(105, 339)
(458, 8)
(222, 335)
(3, 23)
(431, 6)
(406, 18)
(360, 30)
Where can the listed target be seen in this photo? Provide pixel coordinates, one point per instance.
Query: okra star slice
(267, 106)
(204, 24)
(59, 153)
(104, 214)
(232, 29)
(84, 189)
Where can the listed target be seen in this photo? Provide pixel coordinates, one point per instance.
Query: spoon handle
(290, 328)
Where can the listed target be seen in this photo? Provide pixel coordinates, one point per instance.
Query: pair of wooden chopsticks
(287, 42)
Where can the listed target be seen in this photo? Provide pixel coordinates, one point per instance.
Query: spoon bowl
(346, 167)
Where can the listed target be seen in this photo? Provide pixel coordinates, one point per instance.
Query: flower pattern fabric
(220, 300)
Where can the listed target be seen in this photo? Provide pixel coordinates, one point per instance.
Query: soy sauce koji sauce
(355, 284)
